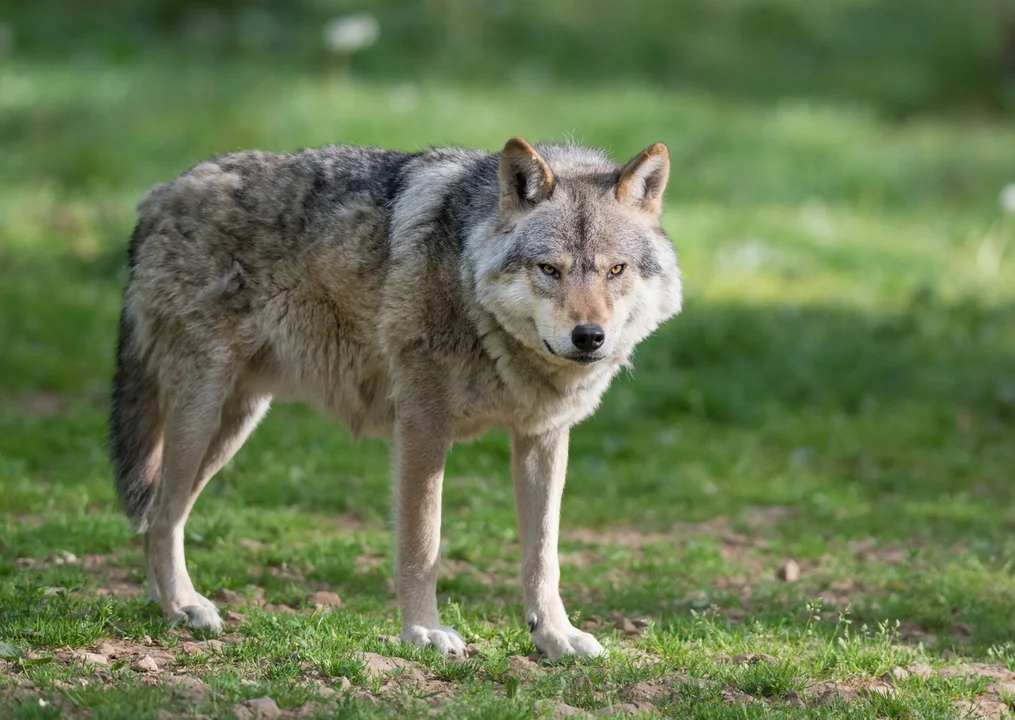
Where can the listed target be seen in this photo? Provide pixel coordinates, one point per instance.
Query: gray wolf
(423, 297)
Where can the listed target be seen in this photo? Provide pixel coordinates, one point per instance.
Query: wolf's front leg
(419, 452)
(540, 464)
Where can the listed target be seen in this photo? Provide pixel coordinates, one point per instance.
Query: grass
(839, 391)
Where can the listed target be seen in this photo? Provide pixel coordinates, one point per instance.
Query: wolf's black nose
(588, 337)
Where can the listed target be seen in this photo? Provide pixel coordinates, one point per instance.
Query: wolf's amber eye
(617, 270)
(549, 270)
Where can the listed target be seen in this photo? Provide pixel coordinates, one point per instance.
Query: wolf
(423, 297)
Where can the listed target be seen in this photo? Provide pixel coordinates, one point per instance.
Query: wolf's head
(580, 270)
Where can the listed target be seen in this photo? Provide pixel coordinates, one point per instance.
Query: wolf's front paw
(202, 615)
(445, 639)
(556, 642)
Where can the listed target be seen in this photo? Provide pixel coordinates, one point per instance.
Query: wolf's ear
(525, 178)
(643, 180)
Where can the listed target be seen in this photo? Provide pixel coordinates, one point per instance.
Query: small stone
(733, 697)
(263, 708)
(793, 699)
(623, 623)
(190, 689)
(652, 691)
(147, 641)
(881, 688)
(523, 668)
(145, 663)
(93, 658)
(280, 609)
(921, 671)
(824, 693)
(895, 675)
(228, 597)
(789, 571)
(211, 645)
(324, 598)
(235, 617)
(106, 649)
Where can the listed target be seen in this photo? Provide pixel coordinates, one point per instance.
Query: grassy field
(839, 392)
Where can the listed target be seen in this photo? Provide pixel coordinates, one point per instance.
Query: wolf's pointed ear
(643, 180)
(525, 178)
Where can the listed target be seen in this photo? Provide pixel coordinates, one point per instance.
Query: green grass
(839, 390)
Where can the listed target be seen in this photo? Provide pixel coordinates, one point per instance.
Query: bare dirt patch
(397, 676)
(983, 709)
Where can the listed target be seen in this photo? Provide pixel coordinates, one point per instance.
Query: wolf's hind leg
(240, 415)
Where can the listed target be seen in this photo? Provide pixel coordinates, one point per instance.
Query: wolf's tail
(135, 427)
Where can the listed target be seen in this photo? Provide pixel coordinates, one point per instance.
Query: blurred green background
(900, 56)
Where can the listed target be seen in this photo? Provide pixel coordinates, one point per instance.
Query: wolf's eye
(549, 270)
(617, 270)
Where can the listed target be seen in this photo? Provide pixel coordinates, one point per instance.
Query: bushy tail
(135, 428)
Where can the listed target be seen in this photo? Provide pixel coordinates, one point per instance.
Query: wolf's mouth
(584, 359)
(580, 358)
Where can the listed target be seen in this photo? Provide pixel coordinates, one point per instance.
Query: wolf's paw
(207, 604)
(556, 642)
(445, 639)
(203, 615)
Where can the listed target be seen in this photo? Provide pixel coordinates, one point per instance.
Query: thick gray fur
(406, 294)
